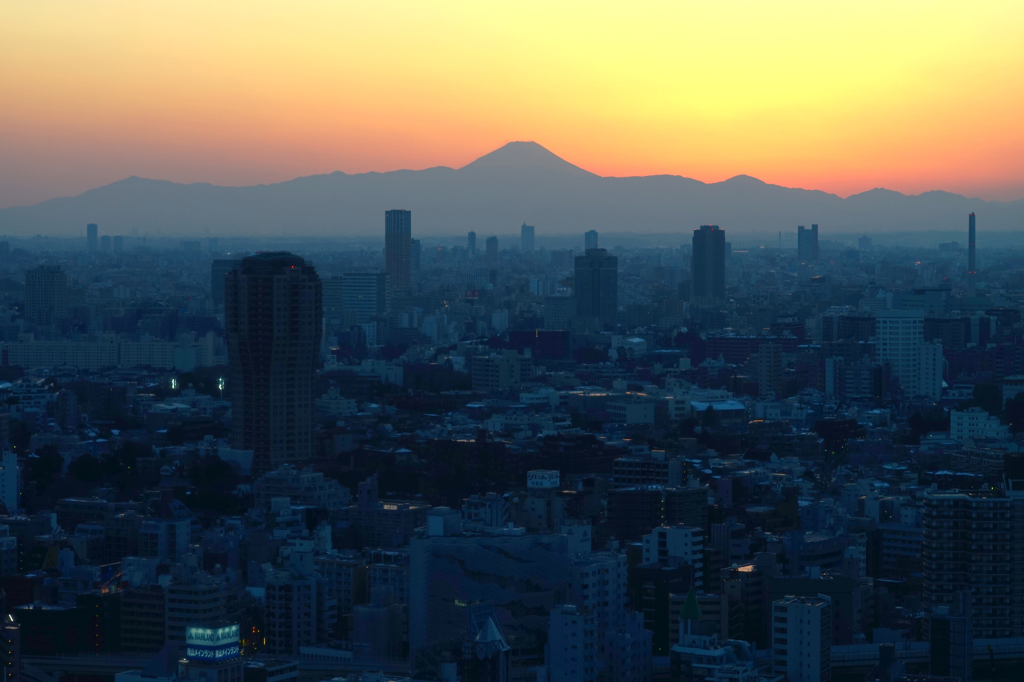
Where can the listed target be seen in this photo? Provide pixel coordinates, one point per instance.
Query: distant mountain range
(521, 181)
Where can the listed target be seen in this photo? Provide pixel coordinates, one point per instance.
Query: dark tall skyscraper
(596, 283)
(272, 325)
(526, 237)
(807, 244)
(471, 243)
(589, 240)
(492, 248)
(46, 294)
(415, 251)
(92, 232)
(972, 264)
(398, 247)
(708, 265)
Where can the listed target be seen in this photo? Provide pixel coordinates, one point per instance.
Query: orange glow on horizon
(840, 96)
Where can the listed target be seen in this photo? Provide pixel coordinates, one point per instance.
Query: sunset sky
(839, 96)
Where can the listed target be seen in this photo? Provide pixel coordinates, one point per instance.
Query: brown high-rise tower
(273, 307)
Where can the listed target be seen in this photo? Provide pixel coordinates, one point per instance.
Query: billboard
(541, 479)
(211, 644)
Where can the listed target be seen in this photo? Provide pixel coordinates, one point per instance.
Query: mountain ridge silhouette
(493, 195)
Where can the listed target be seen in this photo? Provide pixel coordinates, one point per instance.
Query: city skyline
(297, 92)
(600, 416)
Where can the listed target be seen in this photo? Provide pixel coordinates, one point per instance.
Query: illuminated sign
(540, 478)
(212, 644)
(472, 293)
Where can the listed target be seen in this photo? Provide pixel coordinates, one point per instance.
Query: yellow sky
(840, 96)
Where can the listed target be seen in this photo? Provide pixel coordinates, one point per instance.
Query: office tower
(333, 295)
(605, 598)
(526, 237)
(398, 248)
(802, 638)
(559, 311)
(219, 268)
(300, 608)
(972, 263)
(972, 542)
(380, 628)
(389, 570)
(598, 583)
(596, 283)
(142, 619)
(46, 294)
(571, 652)
(415, 251)
(164, 539)
(589, 240)
(492, 248)
(929, 380)
(807, 244)
(899, 337)
(951, 638)
(91, 236)
(471, 243)
(193, 598)
(117, 243)
(768, 364)
(367, 293)
(272, 325)
(345, 573)
(708, 267)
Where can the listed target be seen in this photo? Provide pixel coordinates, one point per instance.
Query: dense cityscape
(527, 459)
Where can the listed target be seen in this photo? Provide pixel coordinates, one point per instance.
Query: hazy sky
(840, 96)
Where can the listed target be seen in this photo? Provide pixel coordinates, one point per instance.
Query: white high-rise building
(675, 545)
(598, 583)
(572, 645)
(802, 638)
(899, 335)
